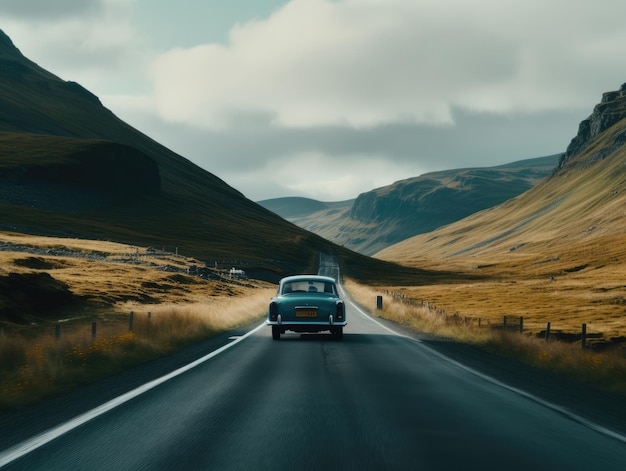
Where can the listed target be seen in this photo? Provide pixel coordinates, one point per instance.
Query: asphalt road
(376, 400)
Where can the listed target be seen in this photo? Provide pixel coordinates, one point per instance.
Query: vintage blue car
(307, 303)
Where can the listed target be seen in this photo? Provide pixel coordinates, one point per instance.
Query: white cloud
(320, 176)
(363, 63)
(373, 90)
(93, 42)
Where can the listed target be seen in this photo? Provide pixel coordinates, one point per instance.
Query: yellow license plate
(306, 313)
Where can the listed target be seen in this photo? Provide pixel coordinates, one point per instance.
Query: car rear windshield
(309, 286)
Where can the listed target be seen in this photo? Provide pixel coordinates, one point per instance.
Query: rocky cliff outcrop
(607, 113)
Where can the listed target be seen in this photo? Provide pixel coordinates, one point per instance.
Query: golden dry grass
(37, 364)
(571, 285)
(119, 274)
(421, 318)
(605, 369)
(554, 254)
(170, 310)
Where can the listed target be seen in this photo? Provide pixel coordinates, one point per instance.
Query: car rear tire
(338, 333)
(275, 332)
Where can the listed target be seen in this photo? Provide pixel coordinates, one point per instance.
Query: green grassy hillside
(387, 215)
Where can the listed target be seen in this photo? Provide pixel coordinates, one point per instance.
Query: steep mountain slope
(555, 255)
(387, 215)
(578, 210)
(68, 166)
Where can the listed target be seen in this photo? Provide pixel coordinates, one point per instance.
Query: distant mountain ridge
(382, 217)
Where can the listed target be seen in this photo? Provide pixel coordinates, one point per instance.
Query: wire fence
(512, 323)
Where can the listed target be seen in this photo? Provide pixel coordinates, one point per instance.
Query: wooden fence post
(521, 324)
(547, 331)
(583, 339)
(130, 321)
(379, 302)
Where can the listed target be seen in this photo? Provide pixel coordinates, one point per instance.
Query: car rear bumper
(300, 323)
(309, 327)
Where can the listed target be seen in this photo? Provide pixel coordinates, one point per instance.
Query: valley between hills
(546, 241)
(554, 253)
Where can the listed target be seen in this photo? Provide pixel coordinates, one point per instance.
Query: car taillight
(273, 311)
(340, 309)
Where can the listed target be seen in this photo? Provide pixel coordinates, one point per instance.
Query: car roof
(307, 278)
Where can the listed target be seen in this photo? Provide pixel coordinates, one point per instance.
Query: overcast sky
(327, 99)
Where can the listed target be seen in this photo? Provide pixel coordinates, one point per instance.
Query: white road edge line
(550, 405)
(17, 451)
